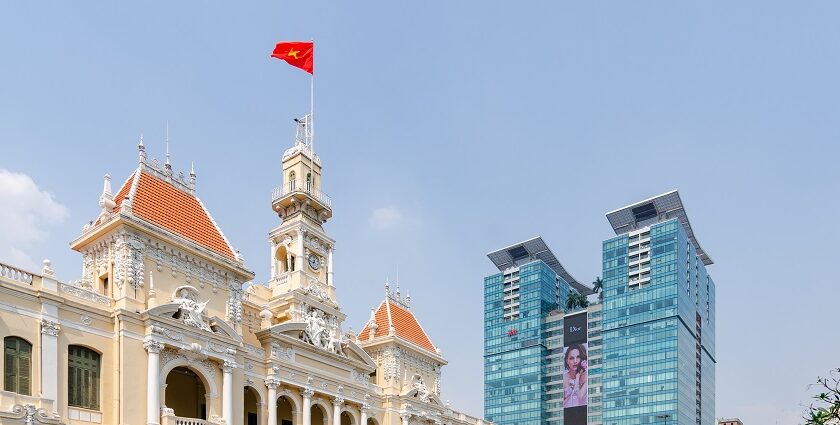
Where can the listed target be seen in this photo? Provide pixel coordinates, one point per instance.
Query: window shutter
(24, 369)
(9, 379)
(83, 377)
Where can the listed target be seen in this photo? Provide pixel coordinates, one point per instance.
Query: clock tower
(301, 251)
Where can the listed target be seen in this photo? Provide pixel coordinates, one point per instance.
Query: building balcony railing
(294, 186)
(16, 274)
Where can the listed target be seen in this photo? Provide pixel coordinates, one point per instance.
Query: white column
(307, 394)
(153, 381)
(330, 267)
(227, 391)
(364, 418)
(337, 403)
(299, 257)
(405, 417)
(273, 262)
(272, 383)
(49, 361)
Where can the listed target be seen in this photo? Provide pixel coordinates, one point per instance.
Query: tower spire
(167, 164)
(141, 148)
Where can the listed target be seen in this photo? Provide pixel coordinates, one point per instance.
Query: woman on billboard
(574, 379)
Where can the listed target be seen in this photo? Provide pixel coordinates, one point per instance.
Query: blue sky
(449, 129)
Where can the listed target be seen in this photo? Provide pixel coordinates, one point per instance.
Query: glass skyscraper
(658, 318)
(523, 336)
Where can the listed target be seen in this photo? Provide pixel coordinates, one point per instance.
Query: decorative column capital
(152, 346)
(338, 400)
(228, 366)
(272, 383)
(405, 416)
(307, 392)
(365, 407)
(49, 327)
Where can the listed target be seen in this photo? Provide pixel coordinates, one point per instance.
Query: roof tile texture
(405, 325)
(161, 203)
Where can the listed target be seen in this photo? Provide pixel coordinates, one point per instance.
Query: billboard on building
(575, 369)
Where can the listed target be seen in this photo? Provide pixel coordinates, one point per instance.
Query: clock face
(314, 262)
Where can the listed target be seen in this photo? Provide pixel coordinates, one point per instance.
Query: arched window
(292, 180)
(17, 365)
(308, 181)
(83, 377)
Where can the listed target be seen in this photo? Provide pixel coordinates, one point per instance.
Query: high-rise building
(658, 318)
(524, 335)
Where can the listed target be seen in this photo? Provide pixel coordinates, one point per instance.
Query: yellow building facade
(163, 329)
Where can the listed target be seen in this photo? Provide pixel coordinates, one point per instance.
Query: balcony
(294, 192)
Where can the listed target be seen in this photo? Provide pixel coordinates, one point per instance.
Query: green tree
(827, 407)
(576, 300)
(598, 287)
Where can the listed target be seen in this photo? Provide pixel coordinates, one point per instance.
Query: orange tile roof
(161, 203)
(405, 324)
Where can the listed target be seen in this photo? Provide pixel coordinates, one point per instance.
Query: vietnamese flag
(299, 54)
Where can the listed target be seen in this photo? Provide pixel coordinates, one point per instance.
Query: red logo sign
(512, 332)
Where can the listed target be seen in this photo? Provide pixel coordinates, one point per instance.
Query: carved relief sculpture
(191, 311)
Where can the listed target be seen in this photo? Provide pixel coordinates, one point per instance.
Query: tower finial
(167, 164)
(192, 177)
(387, 287)
(141, 148)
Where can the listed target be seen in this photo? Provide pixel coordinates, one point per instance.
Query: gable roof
(405, 325)
(161, 203)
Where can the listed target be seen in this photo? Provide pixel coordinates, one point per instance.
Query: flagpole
(312, 100)
(312, 119)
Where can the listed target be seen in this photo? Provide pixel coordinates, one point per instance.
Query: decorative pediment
(214, 324)
(350, 349)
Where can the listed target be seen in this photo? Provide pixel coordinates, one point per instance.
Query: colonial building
(161, 328)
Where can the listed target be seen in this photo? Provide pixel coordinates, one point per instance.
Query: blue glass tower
(523, 334)
(658, 318)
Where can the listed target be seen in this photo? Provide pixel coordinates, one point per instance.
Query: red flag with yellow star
(299, 54)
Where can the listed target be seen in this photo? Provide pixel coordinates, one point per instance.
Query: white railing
(16, 274)
(190, 421)
(298, 187)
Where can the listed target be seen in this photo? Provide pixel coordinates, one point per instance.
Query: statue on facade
(190, 310)
(422, 390)
(316, 325)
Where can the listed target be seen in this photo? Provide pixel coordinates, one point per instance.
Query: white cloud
(386, 218)
(26, 212)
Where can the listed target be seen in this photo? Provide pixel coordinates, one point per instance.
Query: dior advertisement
(576, 369)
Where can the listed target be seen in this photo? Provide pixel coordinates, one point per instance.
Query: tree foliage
(826, 409)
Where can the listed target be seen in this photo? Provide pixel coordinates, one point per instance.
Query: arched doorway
(285, 411)
(185, 393)
(319, 415)
(251, 407)
(347, 419)
(371, 421)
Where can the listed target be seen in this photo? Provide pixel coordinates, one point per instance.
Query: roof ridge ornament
(142, 149)
(168, 164)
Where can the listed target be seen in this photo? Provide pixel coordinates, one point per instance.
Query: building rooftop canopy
(659, 208)
(530, 250)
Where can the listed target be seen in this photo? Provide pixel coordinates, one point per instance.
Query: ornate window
(83, 377)
(17, 365)
(308, 181)
(292, 180)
